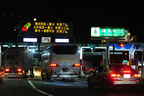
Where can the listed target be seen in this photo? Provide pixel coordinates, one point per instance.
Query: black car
(114, 75)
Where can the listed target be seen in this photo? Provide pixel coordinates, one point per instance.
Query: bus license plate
(126, 75)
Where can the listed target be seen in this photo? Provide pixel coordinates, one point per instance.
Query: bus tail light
(76, 65)
(53, 65)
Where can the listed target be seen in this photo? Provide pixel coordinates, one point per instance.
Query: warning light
(121, 45)
(26, 26)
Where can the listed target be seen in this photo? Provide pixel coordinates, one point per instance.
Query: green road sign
(107, 32)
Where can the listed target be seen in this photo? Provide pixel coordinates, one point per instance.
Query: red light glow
(7, 69)
(126, 71)
(76, 65)
(19, 69)
(53, 65)
(24, 29)
(121, 45)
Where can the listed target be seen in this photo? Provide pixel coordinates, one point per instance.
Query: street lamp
(35, 19)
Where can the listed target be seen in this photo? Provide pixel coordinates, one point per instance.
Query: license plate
(6, 73)
(126, 75)
(19, 73)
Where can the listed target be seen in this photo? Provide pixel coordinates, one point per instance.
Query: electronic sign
(107, 32)
(51, 28)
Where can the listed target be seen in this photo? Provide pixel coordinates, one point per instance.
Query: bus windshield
(65, 49)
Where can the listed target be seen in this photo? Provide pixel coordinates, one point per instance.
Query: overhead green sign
(107, 32)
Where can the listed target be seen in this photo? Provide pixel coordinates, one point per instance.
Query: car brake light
(137, 75)
(115, 75)
(126, 71)
(53, 65)
(76, 65)
(0, 73)
(7, 70)
(19, 70)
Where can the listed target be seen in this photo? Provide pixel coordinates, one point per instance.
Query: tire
(90, 86)
(43, 77)
(72, 79)
(104, 85)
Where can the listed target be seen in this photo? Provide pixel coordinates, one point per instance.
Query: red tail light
(0, 73)
(19, 70)
(76, 65)
(53, 65)
(7, 70)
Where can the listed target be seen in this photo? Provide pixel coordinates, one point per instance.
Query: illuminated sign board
(59, 40)
(107, 32)
(46, 39)
(29, 39)
(52, 28)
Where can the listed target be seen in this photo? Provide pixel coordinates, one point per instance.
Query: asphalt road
(38, 87)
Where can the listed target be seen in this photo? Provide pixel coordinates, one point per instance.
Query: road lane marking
(33, 86)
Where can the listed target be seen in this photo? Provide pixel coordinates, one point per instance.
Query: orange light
(76, 65)
(137, 75)
(118, 75)
(53, 65)
(113, 75)
(0, 73)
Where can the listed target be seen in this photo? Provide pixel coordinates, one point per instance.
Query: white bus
(60, 61)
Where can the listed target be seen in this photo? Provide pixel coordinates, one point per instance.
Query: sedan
(114, 75)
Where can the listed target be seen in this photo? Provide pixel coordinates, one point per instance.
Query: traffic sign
(107, 32)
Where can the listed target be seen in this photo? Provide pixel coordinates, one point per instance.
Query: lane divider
(33, 86)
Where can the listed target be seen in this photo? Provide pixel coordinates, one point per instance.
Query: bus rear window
(65, 49)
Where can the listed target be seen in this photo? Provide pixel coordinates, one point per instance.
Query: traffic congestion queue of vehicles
(114, 75)
(60, 60)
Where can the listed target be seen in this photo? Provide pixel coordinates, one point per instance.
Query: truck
(13, 62)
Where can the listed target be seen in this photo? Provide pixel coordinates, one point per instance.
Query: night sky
(84, 14)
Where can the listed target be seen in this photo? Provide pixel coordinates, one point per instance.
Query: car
(1, 75)
(114, 75)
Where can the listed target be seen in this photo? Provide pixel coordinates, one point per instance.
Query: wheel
(43, 77)
(49, 74)
(90, 86)
(104, 85)
(72, 79)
